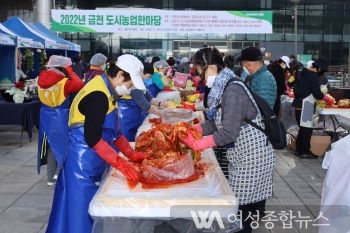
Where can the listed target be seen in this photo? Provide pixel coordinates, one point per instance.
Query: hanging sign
(166, 21)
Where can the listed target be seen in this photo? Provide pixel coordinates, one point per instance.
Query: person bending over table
(93, 136)
(135, 104)
(308, 83)
(251, 160)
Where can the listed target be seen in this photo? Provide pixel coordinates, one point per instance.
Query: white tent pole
(16, 63)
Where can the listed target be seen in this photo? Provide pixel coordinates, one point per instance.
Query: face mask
(243, 75)
(283, 66)
(210, 81)
(246, 70)
(122, 90)
(191, 65)
(103, 67)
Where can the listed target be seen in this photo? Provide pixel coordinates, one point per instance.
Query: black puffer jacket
(278, 73)
(306, 84)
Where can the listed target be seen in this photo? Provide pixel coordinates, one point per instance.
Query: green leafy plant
(28, 60)
(43, 59)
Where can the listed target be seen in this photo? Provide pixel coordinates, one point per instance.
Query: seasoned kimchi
(170, 161)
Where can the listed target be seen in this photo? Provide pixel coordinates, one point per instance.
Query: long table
(116, 206)
(25, 114)
(340, 118)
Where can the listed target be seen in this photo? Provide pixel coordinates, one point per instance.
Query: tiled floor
(25, 200)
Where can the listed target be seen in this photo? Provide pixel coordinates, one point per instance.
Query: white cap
(134, 67)
(309, 64)
(286, 60)
(266, 62)
(148, 59)
(184, 60)
(58, 61)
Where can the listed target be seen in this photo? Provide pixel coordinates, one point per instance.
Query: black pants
(252, 209)
(304, 136)
(277, 106)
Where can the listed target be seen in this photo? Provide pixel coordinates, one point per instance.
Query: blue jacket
(264, 84)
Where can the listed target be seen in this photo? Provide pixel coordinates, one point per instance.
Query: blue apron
(78, 180)
(130, 117)
(53, 129)
(153, 89)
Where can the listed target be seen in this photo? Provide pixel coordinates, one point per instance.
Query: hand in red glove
(188, 106)
(329, 100)
(126, 168)
(198, 128)
(124, 147)
(166, 88)
(108, 154)
(201, 144)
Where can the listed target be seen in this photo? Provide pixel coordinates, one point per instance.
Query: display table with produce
(116, 201)
(124, 207)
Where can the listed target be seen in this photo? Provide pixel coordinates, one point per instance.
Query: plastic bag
(180, 79)
(168, 96)
(171, 170)
(59, 61)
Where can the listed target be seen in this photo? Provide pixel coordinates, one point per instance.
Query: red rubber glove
(69, 69)
(74, 83)
(198, 128)
(108, 154)
(166, 88)
(188, 106)
(201, 144)
(328, 100)
(124, 147)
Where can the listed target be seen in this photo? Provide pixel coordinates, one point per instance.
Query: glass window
(218, 5)
(312, 27)
(253, 37)
(235, 4)
(180, 4)
(236, 45)
(216, 36)
(236, 36)
(278, 4)
(197, 36)
(155, 4)
(177, 36)
(275, 37)
(198, 4)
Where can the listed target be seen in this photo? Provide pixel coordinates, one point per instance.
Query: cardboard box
(291, 138)
(318, 144)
